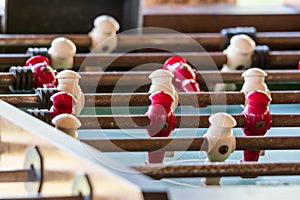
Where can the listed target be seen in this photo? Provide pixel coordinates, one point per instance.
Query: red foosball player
(44, 75)
(63, 102)
(185, 78)
(162, 121)
(37, 59)
(258, 119)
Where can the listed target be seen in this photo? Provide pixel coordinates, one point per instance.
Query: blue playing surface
(194, 157)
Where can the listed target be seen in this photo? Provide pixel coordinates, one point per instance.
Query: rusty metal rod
(136, 78)
(34, 40)
(166, 144)
(196, 99)
(6, 79)
(182, 121)
(283, 58)
(191, 144)
(22, 100)
(205, 60)
(208, 60)
(214, 40)
(245, 169)
(142, 99)
(22, 175)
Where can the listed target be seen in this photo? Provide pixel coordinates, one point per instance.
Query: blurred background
(238, 2)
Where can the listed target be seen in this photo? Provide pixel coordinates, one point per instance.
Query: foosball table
(118, 128)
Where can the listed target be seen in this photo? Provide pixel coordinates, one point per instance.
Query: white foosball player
(104, 34)
(67, 123)
(221, 141)
(62, 52)
(239, 52)
(162, 81)
(239, 57)
(68, 81)
(254, 79)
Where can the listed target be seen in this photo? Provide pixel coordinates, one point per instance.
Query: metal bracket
(82, 186)
(34, 161)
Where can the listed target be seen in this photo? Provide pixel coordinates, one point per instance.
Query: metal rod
(182, 121)
(22, 100)
(220, 169)
(282, 58)
(142, 99)
(205, 60)
(168, 144)
(136, 78)
(22, 175)
(191, 144)
(33, 40)
(195, 99)
(209, 60)
(213, 40)
(6, 79)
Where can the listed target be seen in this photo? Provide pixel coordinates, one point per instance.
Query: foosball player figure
(62, 52)
(162, 121)
(254, 79)
(104, 34)
(239, 57)
(68, 81)
(185, 77)
(161, 80)
(239, 53)
(258, 119)
(221, 141)
(67, 123)
(63, 102)
(37, 59)
(44, 75)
